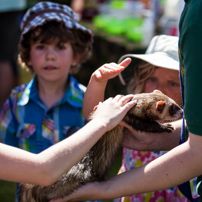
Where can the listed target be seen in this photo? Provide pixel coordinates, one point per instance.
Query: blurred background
(119, 27)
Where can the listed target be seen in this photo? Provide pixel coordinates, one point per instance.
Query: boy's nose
(50, 53)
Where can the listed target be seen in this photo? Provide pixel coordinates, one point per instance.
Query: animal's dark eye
(173, 109)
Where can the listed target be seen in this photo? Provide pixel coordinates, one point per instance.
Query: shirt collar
(73, 95)
(24, 99)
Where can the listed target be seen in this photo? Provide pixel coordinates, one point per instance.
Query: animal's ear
(157, 91)
(160, 106)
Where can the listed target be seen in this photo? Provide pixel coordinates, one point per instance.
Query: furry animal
(150, 108)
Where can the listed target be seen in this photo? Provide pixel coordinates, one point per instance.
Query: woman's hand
(144, 141)
(112, 110)
(134, 139)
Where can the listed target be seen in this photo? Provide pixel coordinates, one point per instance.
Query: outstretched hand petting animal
(144, 116)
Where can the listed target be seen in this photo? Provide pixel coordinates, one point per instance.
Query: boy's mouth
(50, 68)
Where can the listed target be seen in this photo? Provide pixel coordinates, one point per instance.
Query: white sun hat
(161, 52)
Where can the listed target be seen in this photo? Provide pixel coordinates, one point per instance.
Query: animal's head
(156, 106)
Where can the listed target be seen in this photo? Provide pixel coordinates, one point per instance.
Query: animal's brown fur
(97, 161)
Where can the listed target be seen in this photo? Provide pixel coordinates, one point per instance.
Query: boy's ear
(76, 59)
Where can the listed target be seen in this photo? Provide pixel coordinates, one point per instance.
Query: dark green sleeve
(191, 45)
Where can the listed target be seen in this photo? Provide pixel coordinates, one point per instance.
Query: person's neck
(50, 93)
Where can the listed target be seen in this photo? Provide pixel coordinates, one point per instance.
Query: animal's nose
(181, 113)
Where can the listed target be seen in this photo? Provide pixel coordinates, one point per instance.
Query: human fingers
(120, 100)
(124, 99)
(124, 105)
(96, 106)
(112, 110)
(136, 140)
(104, 73)
(118, 67)
(117, 97)
(125, 62)
(124, 124)
(110, 69)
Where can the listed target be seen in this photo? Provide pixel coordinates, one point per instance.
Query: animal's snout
(181, 113)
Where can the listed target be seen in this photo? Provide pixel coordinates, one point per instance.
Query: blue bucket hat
(46, 11)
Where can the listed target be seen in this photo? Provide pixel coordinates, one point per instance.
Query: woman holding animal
(158, 174)
(156, 69)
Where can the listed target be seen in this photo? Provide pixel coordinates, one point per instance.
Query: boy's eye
(40, 47)
(61, 47)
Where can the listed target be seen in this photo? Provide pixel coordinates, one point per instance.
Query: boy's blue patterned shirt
(25, 122)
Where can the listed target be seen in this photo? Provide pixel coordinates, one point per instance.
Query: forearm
(46, 167)
(60, 156)
(173, 168)
(94, 94)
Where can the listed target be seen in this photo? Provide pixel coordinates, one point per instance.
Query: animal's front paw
(168, 127)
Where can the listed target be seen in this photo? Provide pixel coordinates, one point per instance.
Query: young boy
(49, 108)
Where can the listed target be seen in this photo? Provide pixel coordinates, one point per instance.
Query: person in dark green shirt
(190, 55)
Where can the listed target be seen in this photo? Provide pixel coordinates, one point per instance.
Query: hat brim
(158, 59)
